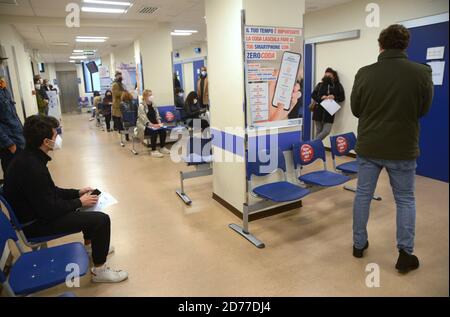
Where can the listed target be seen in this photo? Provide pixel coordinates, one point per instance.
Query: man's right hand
(13, 149)
(88, 201)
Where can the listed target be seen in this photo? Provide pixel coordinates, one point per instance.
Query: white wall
(125, 55)
(23, 76)
(156, 50)
(347, 57)
(188, 53)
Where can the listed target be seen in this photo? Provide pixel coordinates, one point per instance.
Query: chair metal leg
(181, 192)
(353, 190)
(244, 230)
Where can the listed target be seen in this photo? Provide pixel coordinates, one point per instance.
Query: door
(178, 69)
(68, 86)
(434, 141)
(197, 71)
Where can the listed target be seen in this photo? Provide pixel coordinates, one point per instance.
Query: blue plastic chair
(278, 192)
(307, 153)
(33, 243)
(36, 271)
(342, 145)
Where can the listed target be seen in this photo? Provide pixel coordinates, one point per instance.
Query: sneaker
(357, 253)
(89, 249)
(164, 151)
(156, 154)
(105, 274)
(91, 119)
(407, 262)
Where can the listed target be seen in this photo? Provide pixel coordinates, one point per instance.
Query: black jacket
(389, 98)
(30, 190)
(335, 89)
(193, 111)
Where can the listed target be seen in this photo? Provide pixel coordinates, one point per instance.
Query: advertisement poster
(274, 72)
(129, 75)
(105, 78)
(54, 108)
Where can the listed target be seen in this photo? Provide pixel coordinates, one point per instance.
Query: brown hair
(394, 37)
(126, 96)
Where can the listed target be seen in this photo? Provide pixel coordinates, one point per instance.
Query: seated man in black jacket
(46, 210)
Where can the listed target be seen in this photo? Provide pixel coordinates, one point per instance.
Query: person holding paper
(46, 210)
(149, 123)
(330, 88)
(389, 98)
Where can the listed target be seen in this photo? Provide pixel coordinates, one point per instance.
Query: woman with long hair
(329, 88)
(193, 110)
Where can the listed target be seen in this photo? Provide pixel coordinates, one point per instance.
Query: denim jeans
(402, 175)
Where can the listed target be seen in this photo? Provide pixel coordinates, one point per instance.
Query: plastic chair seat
(281, 192)
(39, 270)
(349, 168)
(324, 179)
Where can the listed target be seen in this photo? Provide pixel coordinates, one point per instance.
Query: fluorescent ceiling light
(114, 3)
(102, 10)
(78, 57)
(78, 51)
(180, 34)
(186, 31)
(72, 61)
(93, 37)
(60, 44)
(90, 40)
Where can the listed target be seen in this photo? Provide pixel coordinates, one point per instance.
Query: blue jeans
(402, 176)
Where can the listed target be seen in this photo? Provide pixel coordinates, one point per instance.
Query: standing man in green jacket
(389, 98)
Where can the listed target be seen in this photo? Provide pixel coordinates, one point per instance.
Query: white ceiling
(42, 23)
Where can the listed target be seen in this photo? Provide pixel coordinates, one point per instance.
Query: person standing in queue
(203, 88)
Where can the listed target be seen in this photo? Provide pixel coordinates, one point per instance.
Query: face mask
(57, 145)
(181, 95)
(150, 99)
(195, 101)
(204, 73)
(120, 79)
(37, 86)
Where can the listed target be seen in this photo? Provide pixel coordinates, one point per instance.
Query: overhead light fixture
(180, 34)
(93, 37)
(78, 57)
(114, 3)
(86, 40)
(78, 51)
(186, 31)
(60, 44)
(103, 10)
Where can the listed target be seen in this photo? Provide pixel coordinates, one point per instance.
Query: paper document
(331, 106)
(105, 200)
(436, 53)
(438, 72)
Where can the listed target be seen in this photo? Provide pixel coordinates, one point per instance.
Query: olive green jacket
(389, 98)
(117, 90)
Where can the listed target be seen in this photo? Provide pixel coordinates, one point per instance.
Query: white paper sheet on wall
(438, 72)
(436, 53)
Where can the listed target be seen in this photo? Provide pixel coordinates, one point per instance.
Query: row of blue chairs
(43, 267)
(284, 191)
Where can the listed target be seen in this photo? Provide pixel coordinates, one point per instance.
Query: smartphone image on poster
(286, 80)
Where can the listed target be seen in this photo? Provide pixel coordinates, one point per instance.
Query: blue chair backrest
(196, 145)
(306, 153)
(264, 163)
(10, 210)
(342, 145)
(169, 114)
(6, 233)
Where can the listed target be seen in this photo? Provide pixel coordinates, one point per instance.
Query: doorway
(68, 86)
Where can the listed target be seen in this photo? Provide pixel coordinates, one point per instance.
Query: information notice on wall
(274, 72)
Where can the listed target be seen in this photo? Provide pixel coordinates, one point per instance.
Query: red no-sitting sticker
(307, 153)
(342, 145)
(170, 116)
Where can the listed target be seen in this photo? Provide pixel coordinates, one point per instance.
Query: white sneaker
(89, 249)
(157, 154)
(105, 274)
(164, 151)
